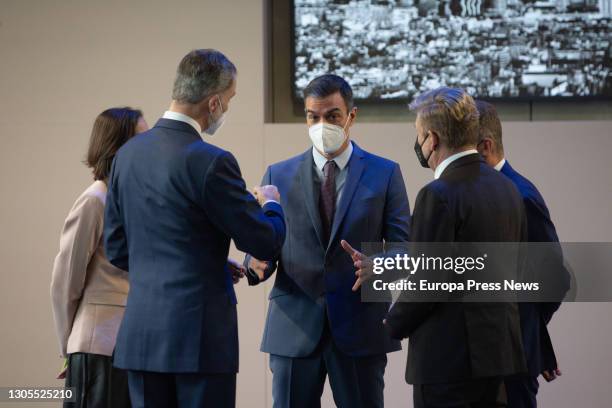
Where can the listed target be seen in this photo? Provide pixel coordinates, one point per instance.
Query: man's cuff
(251, 276)
(273, 206)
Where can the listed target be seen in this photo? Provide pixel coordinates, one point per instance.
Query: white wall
(63, 62)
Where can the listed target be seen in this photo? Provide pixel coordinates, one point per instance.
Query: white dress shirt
(342, 163)
(183, 118)
(440, 169)
(499, 165)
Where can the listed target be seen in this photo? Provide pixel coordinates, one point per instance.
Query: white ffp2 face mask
(327, 138)
(217, 123)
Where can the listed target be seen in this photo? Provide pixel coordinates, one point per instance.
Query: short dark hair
(329, 84)
(489, 124)
(202, 73)
(111, 129)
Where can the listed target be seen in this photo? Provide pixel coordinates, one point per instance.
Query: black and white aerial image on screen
(396, 49)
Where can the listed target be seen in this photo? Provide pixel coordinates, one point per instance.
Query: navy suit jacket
(535, 316)
(313, 281)
(174, 202)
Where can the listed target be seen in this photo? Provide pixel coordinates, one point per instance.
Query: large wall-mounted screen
(395, 49)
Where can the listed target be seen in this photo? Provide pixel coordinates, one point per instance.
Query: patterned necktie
(327, 201)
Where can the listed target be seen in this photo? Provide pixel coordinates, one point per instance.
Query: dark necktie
(327, 200)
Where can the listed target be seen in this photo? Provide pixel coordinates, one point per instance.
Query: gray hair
(202, 73)
(451, 113)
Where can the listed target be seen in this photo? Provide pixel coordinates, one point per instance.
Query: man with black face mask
(333, 194)
(459, 352)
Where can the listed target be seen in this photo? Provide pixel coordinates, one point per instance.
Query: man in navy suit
(333, 194)
(174, 203)
(522, 389)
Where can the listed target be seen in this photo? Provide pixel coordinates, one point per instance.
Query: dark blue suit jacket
(314, 280)
(535, 316)
(174, 202)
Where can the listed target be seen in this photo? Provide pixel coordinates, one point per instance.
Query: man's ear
(352, 115)
(488, 146)
(211, 104)
(435, 139)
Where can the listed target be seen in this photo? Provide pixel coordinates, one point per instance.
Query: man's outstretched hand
(238, 270)
(361, 262)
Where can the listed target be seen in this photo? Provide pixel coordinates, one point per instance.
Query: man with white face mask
(332, 194)
(174, 203)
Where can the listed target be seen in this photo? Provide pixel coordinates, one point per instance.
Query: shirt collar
(183, 118)
(499, 165)
(341, 160)
(440, 169)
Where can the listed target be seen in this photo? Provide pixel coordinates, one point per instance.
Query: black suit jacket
(535, 316)
(174, 202)
(452, 342)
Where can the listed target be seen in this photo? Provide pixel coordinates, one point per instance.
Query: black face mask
(419, 152)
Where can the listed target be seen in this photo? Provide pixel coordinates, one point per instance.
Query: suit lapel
(356, 165)
(311, 194)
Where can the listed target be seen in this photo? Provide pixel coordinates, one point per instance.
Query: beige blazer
(88, 293)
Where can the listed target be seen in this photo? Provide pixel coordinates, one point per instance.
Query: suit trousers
(97, 383)
(356, 382)
(188, 390)
(482, 393)
(522, 391)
